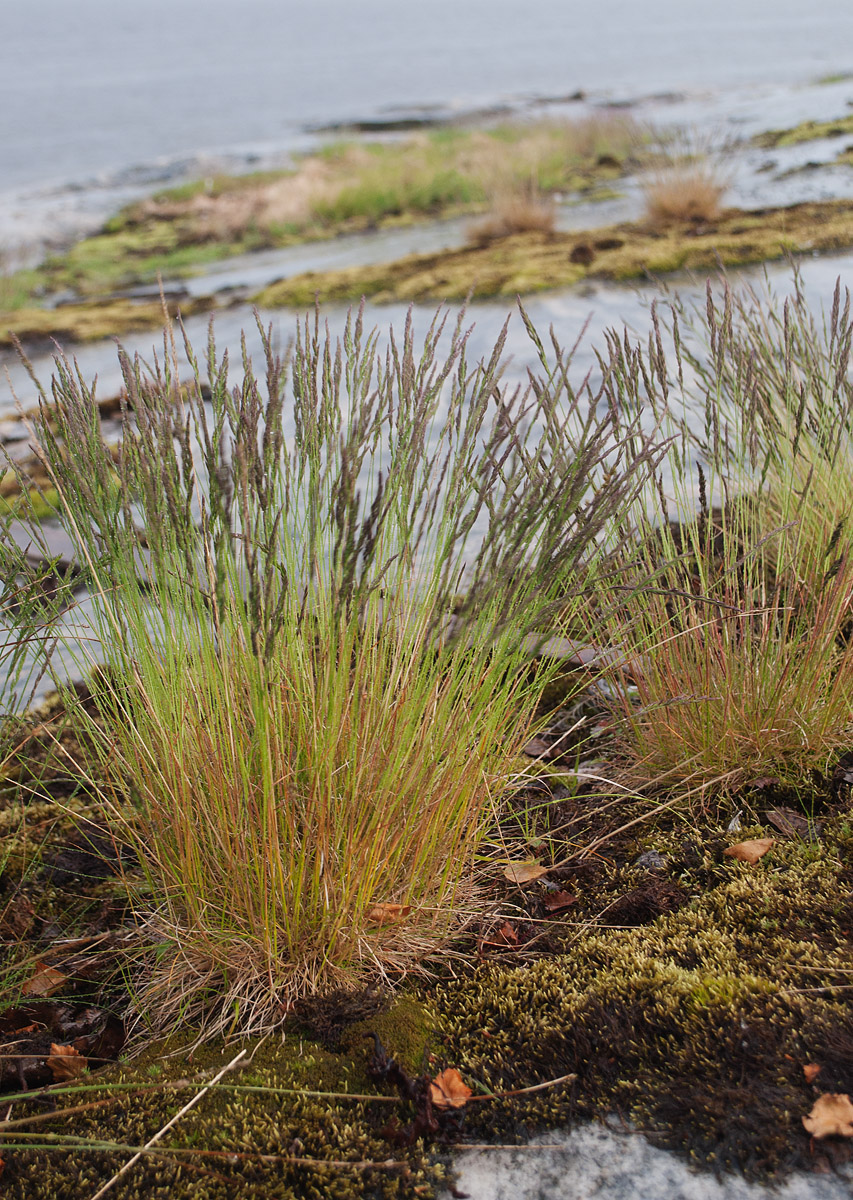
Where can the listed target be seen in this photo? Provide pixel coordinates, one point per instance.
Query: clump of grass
(316, 595)
(686, 185)
(521, 211)
(690, 194)
(747, 661)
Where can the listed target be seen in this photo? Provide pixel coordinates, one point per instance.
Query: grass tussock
(691, 193)
(519, 212)
(744, 641)
(316, 593)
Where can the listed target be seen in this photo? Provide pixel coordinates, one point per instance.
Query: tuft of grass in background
(690, 194)
(317, 593)
(686, 185)
(521, 211)
(746, 659)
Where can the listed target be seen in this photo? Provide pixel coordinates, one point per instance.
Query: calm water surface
(95, 85)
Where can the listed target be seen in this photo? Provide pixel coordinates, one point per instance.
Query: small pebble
(651, 860)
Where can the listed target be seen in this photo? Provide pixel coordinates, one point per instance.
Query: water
(102, 102)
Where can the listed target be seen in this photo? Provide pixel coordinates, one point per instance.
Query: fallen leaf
(45, 982)
(763, 783)
(505, 936)
(393, 913)
(536, 748)
(750, 852)
(448, 1090)
(65, 1062)
(811, 1071)
(794, 824)
(832, 1115)
(525, 872)
(556, 901)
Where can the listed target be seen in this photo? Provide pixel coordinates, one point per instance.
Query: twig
(536, 1087)
(228, 1067)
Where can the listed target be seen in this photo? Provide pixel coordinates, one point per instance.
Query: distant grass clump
(689, 193)
(744, 648)
(523, 211)
(312, 699)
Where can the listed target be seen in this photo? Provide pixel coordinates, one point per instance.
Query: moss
(20, 288)
(697, 1024)
(246, 1116)
(526, 263)
(806, 131)
(133, 256)
(40, 504)
(91, 320)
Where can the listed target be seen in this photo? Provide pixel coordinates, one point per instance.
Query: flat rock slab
(596, 1163)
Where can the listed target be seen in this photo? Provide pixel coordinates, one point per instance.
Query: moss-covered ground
(670, 984)
(346, 187)
(515, 265)
(806, 131)
(532, 262)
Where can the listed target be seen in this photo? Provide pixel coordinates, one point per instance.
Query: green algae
(525, 263)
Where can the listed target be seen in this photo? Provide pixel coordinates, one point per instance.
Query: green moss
(20, 287)
(91, 320)
(526, 263)
(269, 1107)
(806, 131)
(39, 504)
(697, 1024)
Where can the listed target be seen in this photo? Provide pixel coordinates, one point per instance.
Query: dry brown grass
(514, 212)
(691, 193)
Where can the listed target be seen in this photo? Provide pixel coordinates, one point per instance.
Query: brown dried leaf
(831, 1116)
(750, 852)
(505, 936)
(556, 901)
(65, 1062)
(763, 783)
(448, 1090)
(525, 872)
(794, 824)
(45, 982)
(811, 1071)
(389, 913)
(536, 748)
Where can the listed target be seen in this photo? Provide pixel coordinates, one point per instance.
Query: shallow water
(104, 103)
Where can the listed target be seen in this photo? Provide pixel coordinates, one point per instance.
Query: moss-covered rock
(532, 262)
(268, 1130)
(806, 131)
